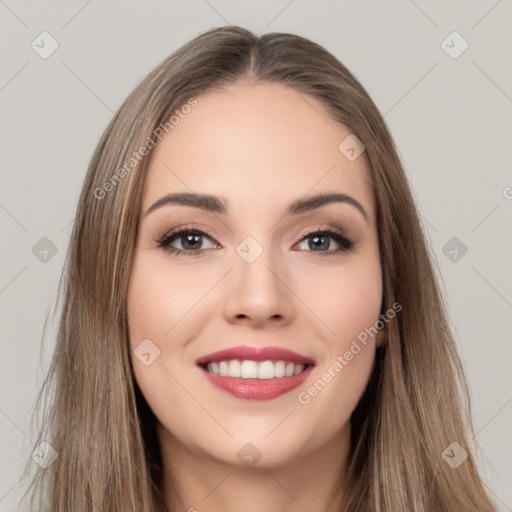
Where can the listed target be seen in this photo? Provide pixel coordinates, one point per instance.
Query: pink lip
(256, 354)
(258, 389)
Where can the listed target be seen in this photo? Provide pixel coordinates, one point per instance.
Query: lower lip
(258, 389)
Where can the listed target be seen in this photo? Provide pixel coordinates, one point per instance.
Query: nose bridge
(257, 290)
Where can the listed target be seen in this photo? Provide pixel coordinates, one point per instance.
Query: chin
(258, 450)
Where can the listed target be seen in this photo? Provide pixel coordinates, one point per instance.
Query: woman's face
(255, 275)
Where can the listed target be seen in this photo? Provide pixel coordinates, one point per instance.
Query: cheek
(348, 305)
(345, 299)
(165, 305)
(158, 301)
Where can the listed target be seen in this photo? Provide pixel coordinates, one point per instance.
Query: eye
(191, 242)
(320, 241)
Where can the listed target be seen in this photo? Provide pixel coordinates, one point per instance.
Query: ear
(381, 336)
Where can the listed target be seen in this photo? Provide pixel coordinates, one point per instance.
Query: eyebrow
(213, 204)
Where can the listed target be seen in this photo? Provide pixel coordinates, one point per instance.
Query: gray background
(450, 118)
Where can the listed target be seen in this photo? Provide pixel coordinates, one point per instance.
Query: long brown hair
(95, 418)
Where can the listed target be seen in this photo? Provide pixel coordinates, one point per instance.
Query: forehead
(256, 144)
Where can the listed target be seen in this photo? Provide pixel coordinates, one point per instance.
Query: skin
(259, 147)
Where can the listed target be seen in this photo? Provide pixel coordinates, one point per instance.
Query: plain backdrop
(449, 111)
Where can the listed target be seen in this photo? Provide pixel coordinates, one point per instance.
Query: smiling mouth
(256, 373)
(249, 369)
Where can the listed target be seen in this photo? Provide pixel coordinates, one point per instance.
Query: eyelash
(337, 235)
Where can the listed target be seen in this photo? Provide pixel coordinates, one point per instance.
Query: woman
(250, 316)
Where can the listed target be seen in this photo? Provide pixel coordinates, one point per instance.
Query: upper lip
(255, 354)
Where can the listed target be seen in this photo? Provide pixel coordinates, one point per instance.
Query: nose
(258, 293)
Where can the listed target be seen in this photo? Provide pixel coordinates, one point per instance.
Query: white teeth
(234, 368)
(298, 369)
(266, 370)
(279, 369)
(223, 368)
(248, 369)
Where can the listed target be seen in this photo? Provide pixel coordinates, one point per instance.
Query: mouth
(247, 369)
(256, 373)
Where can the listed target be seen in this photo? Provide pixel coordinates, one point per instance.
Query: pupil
(321, 242)
(190, 240)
